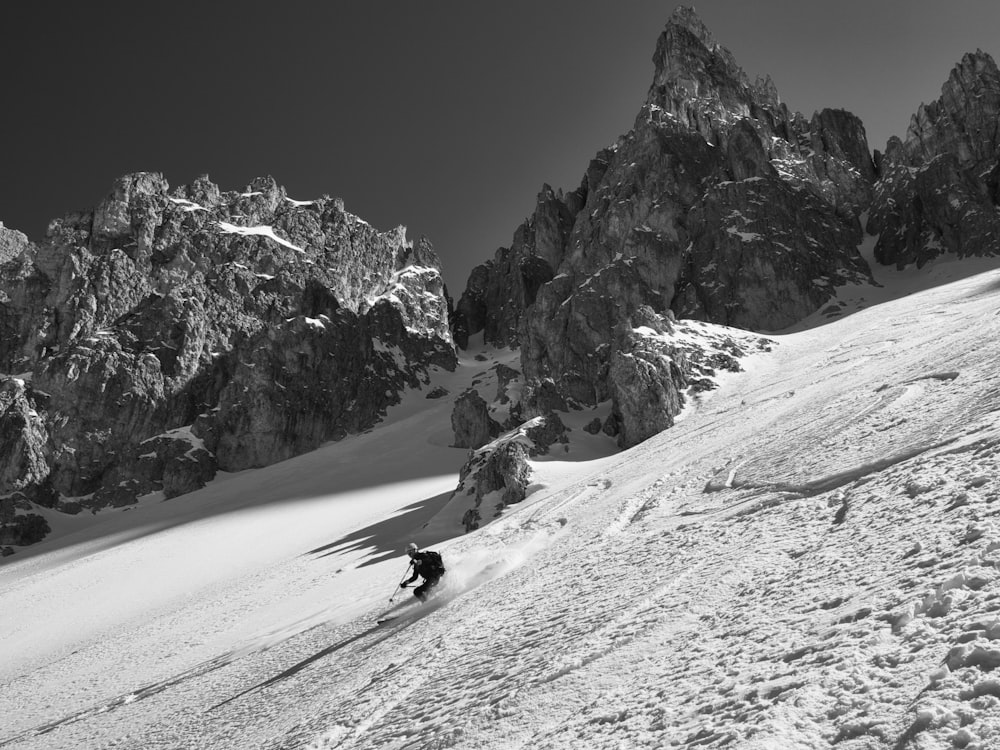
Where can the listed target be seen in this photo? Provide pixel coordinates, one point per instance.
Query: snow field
(809, 559)
(665, 616)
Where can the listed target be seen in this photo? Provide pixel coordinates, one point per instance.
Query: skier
(427, 564)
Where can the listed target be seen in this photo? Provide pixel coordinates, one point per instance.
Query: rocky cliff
(167, 334)
(940, 189)
(718, 205)
(721, 205)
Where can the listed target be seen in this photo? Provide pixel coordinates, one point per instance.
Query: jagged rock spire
(963, 120)
(686, 52)
(698, 82)
(938, 191)
(718, 205)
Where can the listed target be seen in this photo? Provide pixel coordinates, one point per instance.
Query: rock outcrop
(495, 477)
(499, 290)
(167, 334)
(498, 474)
(24, 443)
(940, 186)
(471, 421)
(764, 268)
(657, 365)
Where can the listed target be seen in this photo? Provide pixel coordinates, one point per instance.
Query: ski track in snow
(810, 559)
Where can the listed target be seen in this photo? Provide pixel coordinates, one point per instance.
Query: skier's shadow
(987, 289)
(387, 537)
(387, 630)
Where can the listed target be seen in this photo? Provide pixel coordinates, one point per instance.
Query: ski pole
(401, 581)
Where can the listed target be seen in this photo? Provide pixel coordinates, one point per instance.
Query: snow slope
(809, 559)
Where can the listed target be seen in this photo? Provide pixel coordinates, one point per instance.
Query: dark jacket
(426, 564)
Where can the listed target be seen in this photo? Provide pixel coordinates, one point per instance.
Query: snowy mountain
(808, 558)
(169, 334)
(720, 205)
(710, 451)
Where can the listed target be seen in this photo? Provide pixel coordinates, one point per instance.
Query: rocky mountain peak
(12, 243)
(940, 185)
(719, 205)
(167, 333)
(963, 121)
(695, 78)
(685, 20)
(639, 203)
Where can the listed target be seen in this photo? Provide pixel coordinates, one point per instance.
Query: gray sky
(445, 115)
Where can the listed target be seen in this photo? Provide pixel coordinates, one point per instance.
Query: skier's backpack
(433, 563)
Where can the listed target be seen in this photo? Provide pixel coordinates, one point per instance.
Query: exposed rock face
(499, 290)
(24, 529)
(24, 445)
(471, 422)
(175, 462)
(20, 291)
(495, 478)
(940, 186)
(647, 390)
(497, 474)
(173, 333)
(764, 268)
(544, 432)
(656, 365)
(963, 121)
(720, 204)
(658, 362)
(506, 377)
(12, 243)
(840, 135)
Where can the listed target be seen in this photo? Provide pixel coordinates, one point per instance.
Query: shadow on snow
(387, 539)
(386, 631)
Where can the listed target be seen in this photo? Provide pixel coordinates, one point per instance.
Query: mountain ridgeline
(168, 334)
(722, 205)
(164, 336)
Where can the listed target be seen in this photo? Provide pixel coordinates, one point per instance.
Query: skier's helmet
(411, 548)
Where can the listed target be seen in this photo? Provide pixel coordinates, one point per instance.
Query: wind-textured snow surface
(809, 559)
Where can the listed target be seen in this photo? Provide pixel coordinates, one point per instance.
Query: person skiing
(427, 564)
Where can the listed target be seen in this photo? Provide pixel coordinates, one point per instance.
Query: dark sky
(443, 115)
